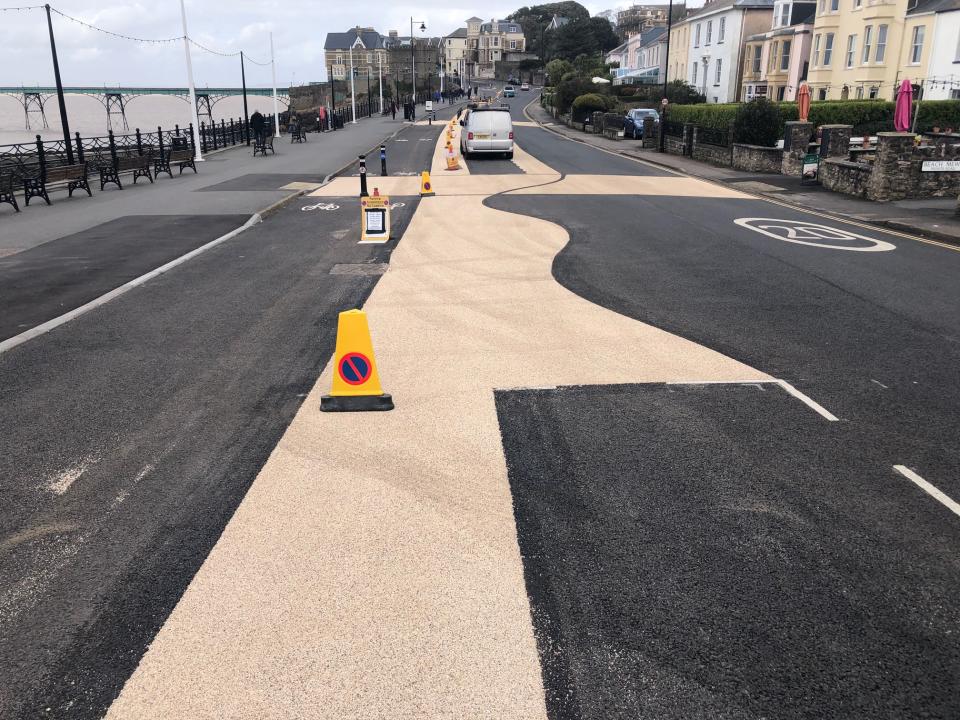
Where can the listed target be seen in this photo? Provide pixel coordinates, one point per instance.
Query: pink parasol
(903, 110)
(803, 102)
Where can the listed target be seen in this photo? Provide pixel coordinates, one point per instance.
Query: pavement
(931, 217)
(661, 448)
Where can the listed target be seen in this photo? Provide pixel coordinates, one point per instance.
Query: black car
(633, 122)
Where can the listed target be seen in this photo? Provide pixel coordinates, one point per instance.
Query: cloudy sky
(88, 57)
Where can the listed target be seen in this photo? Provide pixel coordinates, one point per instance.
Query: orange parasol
(803, 102)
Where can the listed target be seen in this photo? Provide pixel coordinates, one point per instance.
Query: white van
(487, 130)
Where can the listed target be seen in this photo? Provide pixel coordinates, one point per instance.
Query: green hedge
(866, 116)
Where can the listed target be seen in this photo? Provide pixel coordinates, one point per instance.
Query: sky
(88, 57)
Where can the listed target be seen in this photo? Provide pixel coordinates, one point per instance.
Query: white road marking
(49, 325)
(320, 206)
(879, 383)
(931, 490)
(61, 482)
(802, 232)
(805, 399)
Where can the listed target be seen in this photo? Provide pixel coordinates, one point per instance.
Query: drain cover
(359, 269)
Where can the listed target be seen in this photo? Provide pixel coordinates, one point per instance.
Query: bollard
(363, 176)
(383, 160)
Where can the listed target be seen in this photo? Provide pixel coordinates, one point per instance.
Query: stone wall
(714, 154)
(755, 158)
(796, 142)
(845, 177)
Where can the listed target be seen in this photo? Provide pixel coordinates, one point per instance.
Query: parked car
(525, 86)
(509, 91)
(487, 130)
(633, 122)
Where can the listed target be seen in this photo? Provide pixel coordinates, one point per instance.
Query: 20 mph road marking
(931, 490)
(812, 234)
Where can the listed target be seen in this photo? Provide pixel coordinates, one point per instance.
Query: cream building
(366, 46)
(865, 48)
(491, 41)
(455, 53)
(679, 51)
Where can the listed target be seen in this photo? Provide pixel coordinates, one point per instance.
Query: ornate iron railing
(712, 136)
(672, 128)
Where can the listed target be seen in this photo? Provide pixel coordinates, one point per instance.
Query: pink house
(776, 62)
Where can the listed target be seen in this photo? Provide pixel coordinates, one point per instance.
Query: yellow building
(679, 51)
(865, 48)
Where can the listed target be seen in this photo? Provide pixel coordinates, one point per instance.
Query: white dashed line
(805, 399)
(931, 490)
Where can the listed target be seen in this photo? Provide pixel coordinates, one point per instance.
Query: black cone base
(355, 403)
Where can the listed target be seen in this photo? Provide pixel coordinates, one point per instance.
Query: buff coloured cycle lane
(742, 555)
(373, 570)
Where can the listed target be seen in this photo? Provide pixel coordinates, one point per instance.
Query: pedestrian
(393, 110)
(257, 122)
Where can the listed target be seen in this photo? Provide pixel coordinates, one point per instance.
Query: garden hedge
(866, 116)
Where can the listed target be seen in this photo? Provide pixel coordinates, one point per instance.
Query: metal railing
(712, 136)
(672, 128)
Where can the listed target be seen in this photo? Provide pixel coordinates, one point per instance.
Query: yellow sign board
(374, 219)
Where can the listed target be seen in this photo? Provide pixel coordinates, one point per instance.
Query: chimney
(393, 34)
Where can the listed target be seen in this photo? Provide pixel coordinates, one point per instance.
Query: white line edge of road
(931, 490)
(56, 322)
(802, 397)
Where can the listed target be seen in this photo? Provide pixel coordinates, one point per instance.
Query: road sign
(429, 105)
(355, 368)
(814, 235)
(374, 219)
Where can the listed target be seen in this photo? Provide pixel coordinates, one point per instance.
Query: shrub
(758, 122)
(569, 90)
(586, 104)
(556, 69)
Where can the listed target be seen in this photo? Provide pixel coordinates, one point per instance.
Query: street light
(413, 61)
(666, 74)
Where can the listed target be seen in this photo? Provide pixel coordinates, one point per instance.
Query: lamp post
(246, 113)
(666, 72)
(380, 79)
(413, 61)
(273, 71)
(353, 94)
(60, 99)
(193, 91)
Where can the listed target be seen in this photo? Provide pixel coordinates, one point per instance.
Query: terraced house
(865, 48)
(777, 61)
(366, 46)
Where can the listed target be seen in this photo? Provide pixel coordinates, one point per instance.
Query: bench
(182, 158)
(72, 177)
(297, 134)
(110, 171)
(262, 145)
(7, 181)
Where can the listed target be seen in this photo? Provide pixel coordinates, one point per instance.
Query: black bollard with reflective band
(363, 176)
(383, 160)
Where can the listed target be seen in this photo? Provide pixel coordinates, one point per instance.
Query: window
(867, 39)
(716, 79)
(857, 3)
(693, 80)
(513, 44)
(860, 93)
(782, 15)
(496, 41)
(834, 5)
(757, 51)
(822, 94)
(772, 57)
(781, 91)
(957, 56)
(709, 31)
(881, 43)
(696, 37)
(369, 58)
(785, 56)
(955, 94)
(916, 45)
(851, 49)
(723, 28)
(874, 91)
(828, 50)
(816, 49)
(339, 60)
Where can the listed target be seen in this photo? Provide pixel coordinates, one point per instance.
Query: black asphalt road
(44, 282)
(716, 553)
(129, 436)
(719, 552)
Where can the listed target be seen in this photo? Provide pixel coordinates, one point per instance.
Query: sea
(86, 115)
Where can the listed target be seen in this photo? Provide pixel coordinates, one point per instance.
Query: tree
(603, 34)
(556, 69)
(534, 20)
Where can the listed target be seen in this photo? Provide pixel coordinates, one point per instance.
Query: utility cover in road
(814, 235)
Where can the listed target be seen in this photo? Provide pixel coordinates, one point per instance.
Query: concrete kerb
(930, 237)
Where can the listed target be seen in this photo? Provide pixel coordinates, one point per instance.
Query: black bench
(182, 158)
(72, 177)
(297, 134)
(263, 144)
(7, 181)
(110, 170)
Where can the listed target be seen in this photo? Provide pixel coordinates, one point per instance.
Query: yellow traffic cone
(356, 384)
(426, 187)
(452, 163)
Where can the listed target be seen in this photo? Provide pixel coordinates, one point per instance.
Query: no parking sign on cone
(356, 384)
